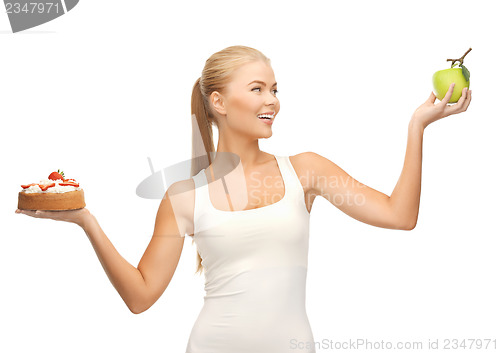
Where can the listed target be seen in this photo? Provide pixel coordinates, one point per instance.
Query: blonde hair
(216, 74)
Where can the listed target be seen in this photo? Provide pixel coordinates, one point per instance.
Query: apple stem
(460, 59)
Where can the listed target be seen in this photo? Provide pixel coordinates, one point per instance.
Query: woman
(250, 221)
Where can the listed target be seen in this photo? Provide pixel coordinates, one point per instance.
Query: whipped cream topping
(55, 189)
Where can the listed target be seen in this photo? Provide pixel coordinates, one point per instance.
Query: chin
(266, 136)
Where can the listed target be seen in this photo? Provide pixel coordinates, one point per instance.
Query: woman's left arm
(405, 198)
(400, 210)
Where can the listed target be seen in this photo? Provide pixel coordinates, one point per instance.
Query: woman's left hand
(429, 112)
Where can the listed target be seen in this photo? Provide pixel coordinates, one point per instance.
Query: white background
(98, 90)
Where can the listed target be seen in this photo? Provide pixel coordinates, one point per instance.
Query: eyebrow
(274, 84)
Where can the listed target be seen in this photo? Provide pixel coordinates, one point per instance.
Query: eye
(275, 90)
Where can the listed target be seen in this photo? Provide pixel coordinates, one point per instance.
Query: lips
(267, 121)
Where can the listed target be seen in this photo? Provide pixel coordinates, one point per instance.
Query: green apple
(442, 80)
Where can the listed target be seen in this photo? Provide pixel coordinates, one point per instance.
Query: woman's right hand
(73, 216)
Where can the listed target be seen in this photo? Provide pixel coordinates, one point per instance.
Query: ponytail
(203, 144)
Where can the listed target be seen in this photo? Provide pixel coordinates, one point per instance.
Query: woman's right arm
(127, 279)
(141, 287)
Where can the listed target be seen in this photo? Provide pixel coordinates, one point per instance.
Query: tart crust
(51, 201)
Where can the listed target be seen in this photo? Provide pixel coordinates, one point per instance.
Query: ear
(218, 102)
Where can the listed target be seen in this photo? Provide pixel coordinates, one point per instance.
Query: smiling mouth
(266, 116)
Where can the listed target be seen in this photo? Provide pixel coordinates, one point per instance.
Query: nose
(273, 99)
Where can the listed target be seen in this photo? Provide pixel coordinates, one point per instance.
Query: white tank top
(255, 265)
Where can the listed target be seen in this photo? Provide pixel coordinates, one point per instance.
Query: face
(245, 99)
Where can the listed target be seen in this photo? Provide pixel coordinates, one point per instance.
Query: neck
(247, 152)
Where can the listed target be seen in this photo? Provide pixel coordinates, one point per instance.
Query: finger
(26, 212)
(447, 97)
(469, 98)
(33, 213)
(461, 101)
(432, 98)
(461, 105)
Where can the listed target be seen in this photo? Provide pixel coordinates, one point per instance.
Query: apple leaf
(465, 72)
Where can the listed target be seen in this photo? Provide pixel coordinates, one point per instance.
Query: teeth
(267, 116)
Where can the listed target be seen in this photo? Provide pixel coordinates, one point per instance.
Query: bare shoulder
(310, 166)
(181, 195)
(304, 164)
